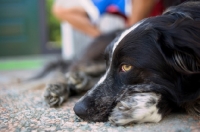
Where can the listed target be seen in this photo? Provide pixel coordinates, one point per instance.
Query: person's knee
(65, 13)
(57, 11)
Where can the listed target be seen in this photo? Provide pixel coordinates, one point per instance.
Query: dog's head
(157, 52)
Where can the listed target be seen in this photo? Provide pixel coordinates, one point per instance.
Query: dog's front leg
(82, 76)
(64, 85)
(61, 87)
(57, 90)
(55, 94)
(79, 82)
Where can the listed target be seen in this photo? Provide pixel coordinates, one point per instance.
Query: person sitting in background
(85, 17)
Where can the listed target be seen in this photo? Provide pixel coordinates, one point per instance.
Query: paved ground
(22, 109)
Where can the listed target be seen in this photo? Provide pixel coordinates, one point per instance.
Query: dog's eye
(125, 68)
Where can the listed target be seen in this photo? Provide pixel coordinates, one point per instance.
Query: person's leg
(77, 17)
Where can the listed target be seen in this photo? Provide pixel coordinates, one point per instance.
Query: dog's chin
(100, 110)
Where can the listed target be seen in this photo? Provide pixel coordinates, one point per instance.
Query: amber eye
(126, 68)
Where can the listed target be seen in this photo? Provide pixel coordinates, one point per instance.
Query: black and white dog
(152, 68)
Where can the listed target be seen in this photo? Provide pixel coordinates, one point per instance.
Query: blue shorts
(95, 8)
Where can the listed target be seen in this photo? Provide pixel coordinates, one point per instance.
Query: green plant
(53, 24)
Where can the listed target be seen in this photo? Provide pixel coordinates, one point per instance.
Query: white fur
(134, 109)
(125, 33)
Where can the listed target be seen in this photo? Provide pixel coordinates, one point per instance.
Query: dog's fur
(77, 76)
(164, 53)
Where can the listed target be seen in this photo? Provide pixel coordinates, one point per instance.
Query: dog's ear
(179, 43)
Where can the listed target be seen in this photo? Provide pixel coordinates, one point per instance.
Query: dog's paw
(137, 108)
(77, 81)
(55, 94)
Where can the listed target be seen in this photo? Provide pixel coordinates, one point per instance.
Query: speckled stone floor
(22, 110)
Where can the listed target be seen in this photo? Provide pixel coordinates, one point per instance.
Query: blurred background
(28, 31)
(31, 36)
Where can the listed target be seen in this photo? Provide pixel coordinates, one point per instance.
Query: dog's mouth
(97, 110)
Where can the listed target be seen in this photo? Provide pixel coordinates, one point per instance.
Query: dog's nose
(80, 110)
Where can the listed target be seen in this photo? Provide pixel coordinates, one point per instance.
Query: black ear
(179, 44)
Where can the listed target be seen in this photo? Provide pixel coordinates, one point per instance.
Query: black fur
(164, 52)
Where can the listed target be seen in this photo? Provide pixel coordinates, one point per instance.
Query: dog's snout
(81, 110)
